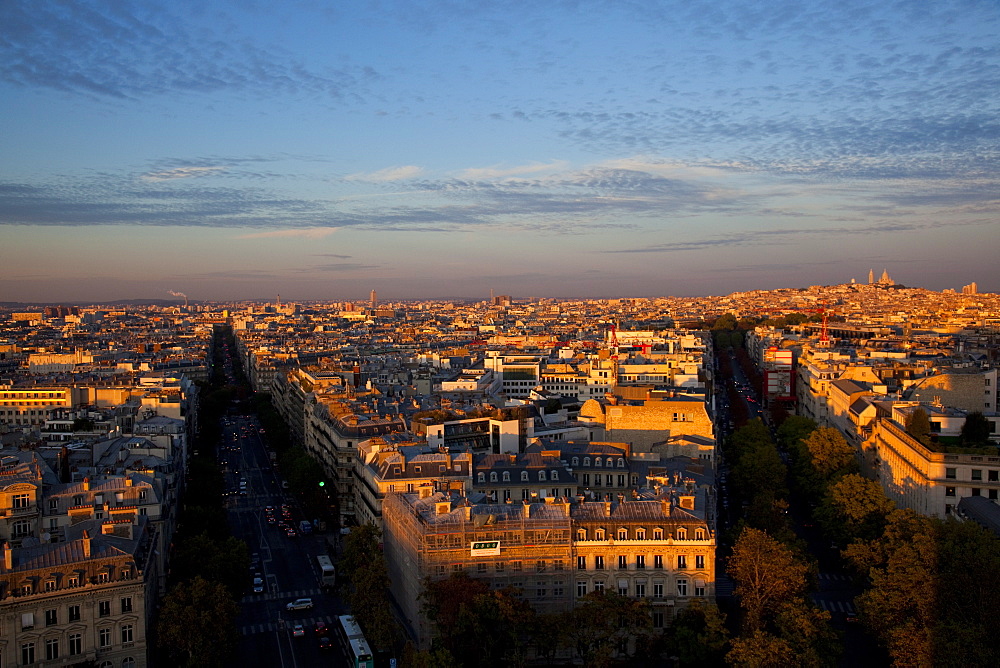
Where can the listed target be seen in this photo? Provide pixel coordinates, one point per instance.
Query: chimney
(686, 501)
(86, 484)
(667, 505)
(607, 509)
(527, 509)
(86, 544)
(8, 558)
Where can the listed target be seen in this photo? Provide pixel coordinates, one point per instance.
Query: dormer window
(493, 476)
(524, 476)
(623, 534)
(682, 534)
(576, 461)
(541, 476)
(699, 534)
(610, 462)
(621, 463)
(482, 477)
(555, 475)
(586, 461)
(506, 476)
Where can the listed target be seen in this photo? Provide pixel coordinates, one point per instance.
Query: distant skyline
(240, 150)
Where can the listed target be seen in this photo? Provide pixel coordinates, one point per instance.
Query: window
(699, 534)
(622, 562)
(74, 613)
(51, 618)
(682, 587)
(623, 534)
(525, 494)
(640, 561)
(598, 534)
(657, 561)
(75, 643)
(586, 478)
(993, 476)
(657, 590)
(126, 604)
(541, 565)
(515, 565)
(640, 589)
(126, 633)
(640, 534)
(481, 477)
(21, 501)
(949, 491)
(524, 476)
(50, 585)
(977, 474)
(558, 564)
(51, 648)
(623, 587)
(581, 563)
(128, 662)
(657, 620)
(597, 462)
(493, 476)
(540, 592)
(20, 528)
(682, 561)
(682, 534)
(581, 589)
(53, 504)
(104, 608)
(621, 463)
(599, 562)
(541, 476)
(975, 491)
(597, 480)
(481, 568)
(103, 576)
(555, 475)
(599, 585)
(950, 473)
(657, 534)
(27, 653)
(581, 534)
(586, 461)
(699, 561)
(608, 480)
(506, 476)
(576, 461)
(621, 481)
(104, 638)
(699, 588)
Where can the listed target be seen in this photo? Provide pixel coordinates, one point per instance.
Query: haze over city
(320, 150)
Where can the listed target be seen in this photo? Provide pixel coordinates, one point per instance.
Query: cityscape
(396, 334)
(598, 481)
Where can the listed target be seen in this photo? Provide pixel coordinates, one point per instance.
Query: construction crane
(613, 344)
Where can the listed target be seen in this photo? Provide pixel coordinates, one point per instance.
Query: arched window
(541, 476)
(555, 475)
(610, 462)
(128, 662)
(506, 476)
(493, 476)
(597, 461)
(621, 463)
(482, 477)
(524, 476)
(586, 462)
(576, 461)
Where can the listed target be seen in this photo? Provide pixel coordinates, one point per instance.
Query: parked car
(300, 604)
(258, 585)
(298, 631)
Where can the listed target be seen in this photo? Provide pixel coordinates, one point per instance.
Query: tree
(197, 624)
(698, 635)
(761, 649)
(766, 574)
(794, 429)
(759, 467)
(364, 563)
(725, 322)
(830, 453)
(224, 561)
(854, 508)
(601, 622)
(976, 429)
(918, 425)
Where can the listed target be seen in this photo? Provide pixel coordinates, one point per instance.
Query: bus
(353, 642)
(328, 573)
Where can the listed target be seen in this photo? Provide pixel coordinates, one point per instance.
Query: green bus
(353, 642)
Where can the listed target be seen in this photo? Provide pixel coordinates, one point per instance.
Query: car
(325, 642)
(300, 604)
(290, 532)
(851, 618)
(298, 631)
(258, 585)
(322, 629)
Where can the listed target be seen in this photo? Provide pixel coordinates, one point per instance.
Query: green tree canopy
(794, 429)
(601, 621)
(767, 575)
(831, 455)
(918, 425)
(197, 624)
(854, 508)
(976, 429)
(698, 635)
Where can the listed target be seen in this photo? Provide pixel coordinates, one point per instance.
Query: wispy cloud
(308, 233)
(498, 172)
(182, 173)
(388, 174)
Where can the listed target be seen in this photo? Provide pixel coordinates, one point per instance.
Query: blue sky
(318, 150)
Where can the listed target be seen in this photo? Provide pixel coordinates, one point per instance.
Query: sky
(442, 149)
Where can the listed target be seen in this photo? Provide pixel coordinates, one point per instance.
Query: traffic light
(322, 483)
